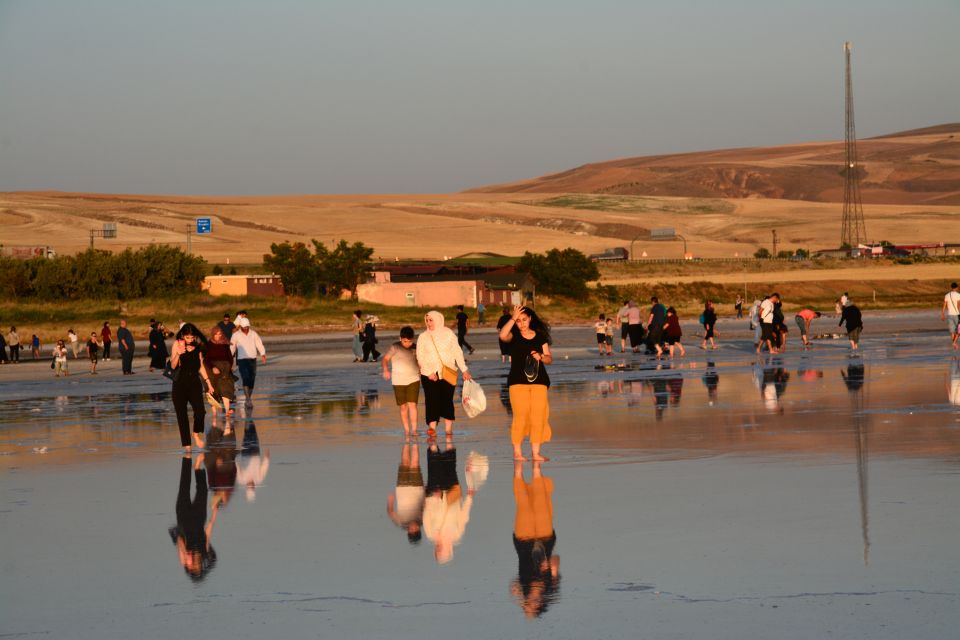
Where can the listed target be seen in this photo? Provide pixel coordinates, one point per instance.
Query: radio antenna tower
(854, 231)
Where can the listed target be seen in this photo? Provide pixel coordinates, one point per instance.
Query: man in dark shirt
(125, 338)
(854, 320)
(462, 329)
(227, 326)
(658, 317)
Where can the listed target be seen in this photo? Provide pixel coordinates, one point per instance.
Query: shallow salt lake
(811, 494)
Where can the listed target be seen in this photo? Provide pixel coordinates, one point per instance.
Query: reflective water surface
(805, 495)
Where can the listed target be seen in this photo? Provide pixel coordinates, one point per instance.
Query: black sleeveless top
(189, 364)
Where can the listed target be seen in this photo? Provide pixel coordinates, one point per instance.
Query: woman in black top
(528, 338)
(187, 360)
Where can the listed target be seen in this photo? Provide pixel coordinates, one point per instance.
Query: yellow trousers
(531, 413)
(534, 517)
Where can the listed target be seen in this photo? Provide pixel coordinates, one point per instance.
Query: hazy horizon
(242, 98)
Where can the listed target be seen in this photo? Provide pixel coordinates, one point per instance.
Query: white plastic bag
(476, 470)
(474, 401)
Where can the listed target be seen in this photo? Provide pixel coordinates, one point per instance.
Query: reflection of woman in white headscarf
(437, 348)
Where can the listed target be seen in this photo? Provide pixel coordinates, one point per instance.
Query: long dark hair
(190, 329)
(537, 324)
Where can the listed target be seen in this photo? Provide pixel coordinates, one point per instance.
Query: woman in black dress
(187, 362)
(158, 348)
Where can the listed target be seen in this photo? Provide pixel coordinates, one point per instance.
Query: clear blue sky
(363, 96)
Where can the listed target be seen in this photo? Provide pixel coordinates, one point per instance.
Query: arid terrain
(911, 194)
(911, 167)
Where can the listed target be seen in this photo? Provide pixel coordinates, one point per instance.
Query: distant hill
(921, 166)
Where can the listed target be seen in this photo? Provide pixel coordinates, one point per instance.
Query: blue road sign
(203, 225)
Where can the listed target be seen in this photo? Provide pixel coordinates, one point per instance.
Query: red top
(105, 335)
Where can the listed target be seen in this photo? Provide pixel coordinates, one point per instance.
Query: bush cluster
(95, 274)
(322, 271)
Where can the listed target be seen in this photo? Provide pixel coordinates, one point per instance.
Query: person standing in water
(529, 339)
(438, 354)
(400, 367)
(187, 360)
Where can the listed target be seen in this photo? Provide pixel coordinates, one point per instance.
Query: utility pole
(853, 231)
(774, 232)
(189, 238)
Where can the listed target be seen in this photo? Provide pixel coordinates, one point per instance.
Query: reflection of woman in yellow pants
(534, 539)
(531, 414)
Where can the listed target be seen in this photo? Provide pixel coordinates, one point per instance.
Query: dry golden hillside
(912, 167)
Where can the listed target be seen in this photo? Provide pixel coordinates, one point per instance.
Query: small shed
(266, 286)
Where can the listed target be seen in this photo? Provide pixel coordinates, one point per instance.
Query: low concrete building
(447, 293)
(266, 286)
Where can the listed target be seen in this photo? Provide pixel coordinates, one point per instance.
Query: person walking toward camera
(401, 369)
(93, 352)
(186, 359)
(13, 341)
(439, 356)
(246, 346)
(106, 339)
(60, 358)
(529, 339)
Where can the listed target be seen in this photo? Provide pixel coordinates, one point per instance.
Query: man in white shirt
(951, 312)
(766, 322)
(246, 346)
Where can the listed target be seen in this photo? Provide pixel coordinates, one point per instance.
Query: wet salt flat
(719, 496)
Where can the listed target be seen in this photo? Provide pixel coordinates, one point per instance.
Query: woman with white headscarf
(437, 349)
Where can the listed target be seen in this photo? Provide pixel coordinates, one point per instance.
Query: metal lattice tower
(854, 230)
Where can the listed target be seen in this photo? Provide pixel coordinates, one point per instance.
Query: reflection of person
(125, 341)
(187, 359)
(529, 339)
(953, 390)
(405, 504)
(192, 533)
(221, 461)
(401, 357)
(711, 379)
(853, 377)
(533, 539)
(437, 349)
(445, 511)
(951, 313)
(772, 382)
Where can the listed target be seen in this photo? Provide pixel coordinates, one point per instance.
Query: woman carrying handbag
(439, 357)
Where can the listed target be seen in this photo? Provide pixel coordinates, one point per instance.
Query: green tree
(345, 267)
(802, 253)
(557, 272)
(296, 267)
(762, 253)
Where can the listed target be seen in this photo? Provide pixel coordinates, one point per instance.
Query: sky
(243, 97)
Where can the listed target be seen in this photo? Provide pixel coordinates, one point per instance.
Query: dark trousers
(462, 340)
(126, 359)
(188, 390)
(438, 399)
(248, 371)
(106, 349)
(370, 348)
(15, 353)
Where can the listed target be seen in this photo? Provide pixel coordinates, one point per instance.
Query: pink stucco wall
(422, 294)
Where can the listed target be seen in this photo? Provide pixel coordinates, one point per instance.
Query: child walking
(93, 351)
(401, 368)
(673, 332)
(600, 326)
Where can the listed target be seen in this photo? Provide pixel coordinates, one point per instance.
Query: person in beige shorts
(401, 368)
